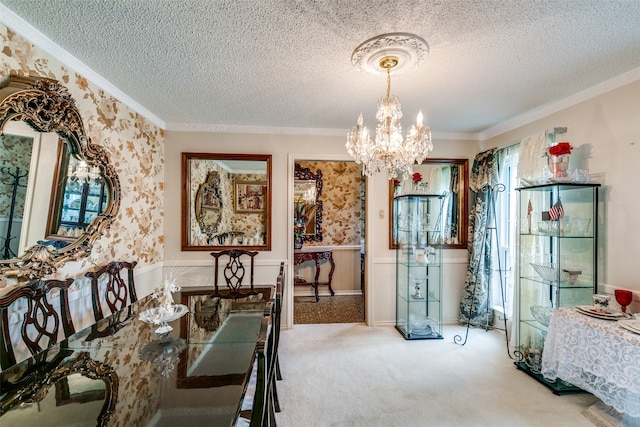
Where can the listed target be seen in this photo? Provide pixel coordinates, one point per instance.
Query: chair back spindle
(234, 272)
(118, 293)
(41, 322)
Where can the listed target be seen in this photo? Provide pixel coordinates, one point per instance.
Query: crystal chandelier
(388, 150)
(83, 172)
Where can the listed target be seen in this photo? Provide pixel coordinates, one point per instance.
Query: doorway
(328, 270)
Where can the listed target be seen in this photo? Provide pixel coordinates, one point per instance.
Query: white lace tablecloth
(596, 355)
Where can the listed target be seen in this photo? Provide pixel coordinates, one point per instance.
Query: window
(506, 211)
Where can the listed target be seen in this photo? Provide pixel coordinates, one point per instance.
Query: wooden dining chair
(234, 272)
(277, 314)
(280, 289)
(257, 409)
(40, 322)
(117, 293)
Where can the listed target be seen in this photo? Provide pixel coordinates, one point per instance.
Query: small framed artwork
(249, 197)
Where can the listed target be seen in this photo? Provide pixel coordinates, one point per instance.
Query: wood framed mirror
(53, 121)
(307, 189)
(450, 176)
(226, 201)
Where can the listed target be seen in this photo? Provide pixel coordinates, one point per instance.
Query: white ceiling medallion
(410, 50)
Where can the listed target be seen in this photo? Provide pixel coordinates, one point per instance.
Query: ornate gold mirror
(226, 201)
(439, 176)
(307, 189)
(209, 205)
(47, 107)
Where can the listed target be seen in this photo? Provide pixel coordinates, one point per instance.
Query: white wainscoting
(346, 276)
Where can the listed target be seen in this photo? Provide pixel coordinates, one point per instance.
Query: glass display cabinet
(558, 263)
(82, 203)
(419, 228)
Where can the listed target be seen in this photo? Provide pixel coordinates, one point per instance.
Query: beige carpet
(330, 309)
(355, 375)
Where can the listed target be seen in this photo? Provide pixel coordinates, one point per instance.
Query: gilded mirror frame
(214, 238)
(47, 106)
(305, 174)
(463, 203)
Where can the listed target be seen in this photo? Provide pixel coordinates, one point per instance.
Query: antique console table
(317, 255)
(597, 355)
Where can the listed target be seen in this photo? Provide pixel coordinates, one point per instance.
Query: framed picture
(210, 199)
(249, 197)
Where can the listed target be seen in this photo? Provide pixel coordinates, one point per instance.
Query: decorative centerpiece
(167, 311)
(558, 159)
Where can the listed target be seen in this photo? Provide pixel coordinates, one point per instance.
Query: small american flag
(557, 211)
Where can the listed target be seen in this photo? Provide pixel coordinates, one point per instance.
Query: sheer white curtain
(531, 161)
(506, 212)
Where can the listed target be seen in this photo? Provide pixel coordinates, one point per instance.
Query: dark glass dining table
(119, 372)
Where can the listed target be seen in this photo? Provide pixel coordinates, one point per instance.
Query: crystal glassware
(418, 293)
(624, 298)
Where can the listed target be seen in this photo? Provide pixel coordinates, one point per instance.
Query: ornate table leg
(315, 281)
(333, 267)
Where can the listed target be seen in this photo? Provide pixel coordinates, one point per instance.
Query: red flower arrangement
(396, 183)
(417, 177)
(560, 148)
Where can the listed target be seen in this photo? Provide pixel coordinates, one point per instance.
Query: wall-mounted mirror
(307, 189)
(33, 236)
(226, 201)
(440, 176)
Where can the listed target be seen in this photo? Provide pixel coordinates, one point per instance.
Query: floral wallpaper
(341, 203)
(135, 146)
(15, 155)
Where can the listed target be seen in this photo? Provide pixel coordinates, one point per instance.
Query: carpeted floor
(330, 309)
(352, 375)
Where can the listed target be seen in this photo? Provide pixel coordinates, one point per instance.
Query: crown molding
(546, 110)
(456, 136)
(216, 128)
(26, 30)
(202, 127)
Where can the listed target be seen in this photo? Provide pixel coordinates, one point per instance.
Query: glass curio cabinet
(557, 263)
(418, 227)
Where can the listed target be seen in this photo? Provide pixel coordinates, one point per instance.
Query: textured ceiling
(255, 65)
